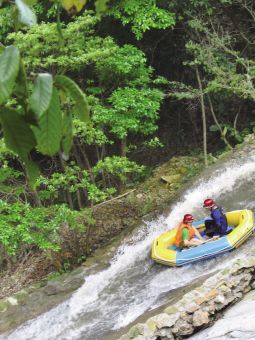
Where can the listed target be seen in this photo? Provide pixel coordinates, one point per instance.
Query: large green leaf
(18, 135)
(67, 133)
(101, 6)
(42, 93)
(21, 93)
(26, 15)
(49, 131)
(19, 138)
(9, 68)
(21, 88)
(69, 4)
(81, 107)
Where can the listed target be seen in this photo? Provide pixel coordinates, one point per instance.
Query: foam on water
(220, 182)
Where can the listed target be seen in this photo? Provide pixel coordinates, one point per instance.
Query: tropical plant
(30, 113)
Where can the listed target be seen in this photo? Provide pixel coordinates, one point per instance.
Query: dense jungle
(94, 96)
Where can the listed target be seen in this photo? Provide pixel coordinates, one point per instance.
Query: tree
(142, 16)
(131, 111)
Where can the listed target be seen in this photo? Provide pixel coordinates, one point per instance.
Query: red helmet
(188, 218)
(209, 203)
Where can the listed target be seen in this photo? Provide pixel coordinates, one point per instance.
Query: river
(132, 283)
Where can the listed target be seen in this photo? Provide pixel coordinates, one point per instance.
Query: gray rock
(164, 320)
(124, 337)
(200, 318)
(136, 330)
(57, 287)
(165, 333)
(183, 327)
(192, 307)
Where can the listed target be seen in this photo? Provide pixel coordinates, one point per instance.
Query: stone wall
(199, 308)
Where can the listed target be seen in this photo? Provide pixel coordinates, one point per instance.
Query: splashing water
(132, 283)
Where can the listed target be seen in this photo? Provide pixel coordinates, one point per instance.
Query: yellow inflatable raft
(164, 251)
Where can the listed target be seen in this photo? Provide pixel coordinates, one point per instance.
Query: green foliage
(230, 131)
(126, 66)
(74, 179)
(182, 91)
(119, 167)
(142, 15)
(132, 110)
(77, 4)
(35, 120)
(42, 93)
(101, 6)
(26, 15)
(9, 68)
(71, 89)
(20, 139)
(11, 179)
(6, 22)
(41, 47)
(22, 225)
(154, 143)
(89, 134)
(49, 133)
(229, 71)
(133, 106)
(71, 180)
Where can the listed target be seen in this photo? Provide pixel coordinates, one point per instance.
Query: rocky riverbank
(236, 323)
(199, 308)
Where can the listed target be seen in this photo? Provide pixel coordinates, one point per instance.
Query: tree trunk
(99, 158)
(202, 103)
(217, 123)
(68, 195)
(123, 147)
(37, 199)
(79, 200)
(81, 148)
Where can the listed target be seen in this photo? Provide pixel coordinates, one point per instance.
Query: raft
(240, 222)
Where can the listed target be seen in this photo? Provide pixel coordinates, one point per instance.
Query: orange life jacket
(178, 237)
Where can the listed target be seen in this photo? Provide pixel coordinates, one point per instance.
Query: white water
(132, 284)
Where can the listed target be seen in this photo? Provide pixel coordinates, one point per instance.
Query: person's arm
(193, 242)
(187, 242)
(216, 217)
(197, 233)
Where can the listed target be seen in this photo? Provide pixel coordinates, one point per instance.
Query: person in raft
(217, 225)
(187, 235)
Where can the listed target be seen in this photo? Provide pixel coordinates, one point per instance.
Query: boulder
(171, 310)
(182, 327)
(165, 333)
(164, 320)
(136, 330)
(171, 178)
(200, 318)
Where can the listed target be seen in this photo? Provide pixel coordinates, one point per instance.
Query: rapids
(133, 284)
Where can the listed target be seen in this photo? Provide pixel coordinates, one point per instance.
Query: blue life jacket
(220, 220)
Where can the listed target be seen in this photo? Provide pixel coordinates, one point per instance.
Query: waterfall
(132, 283)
